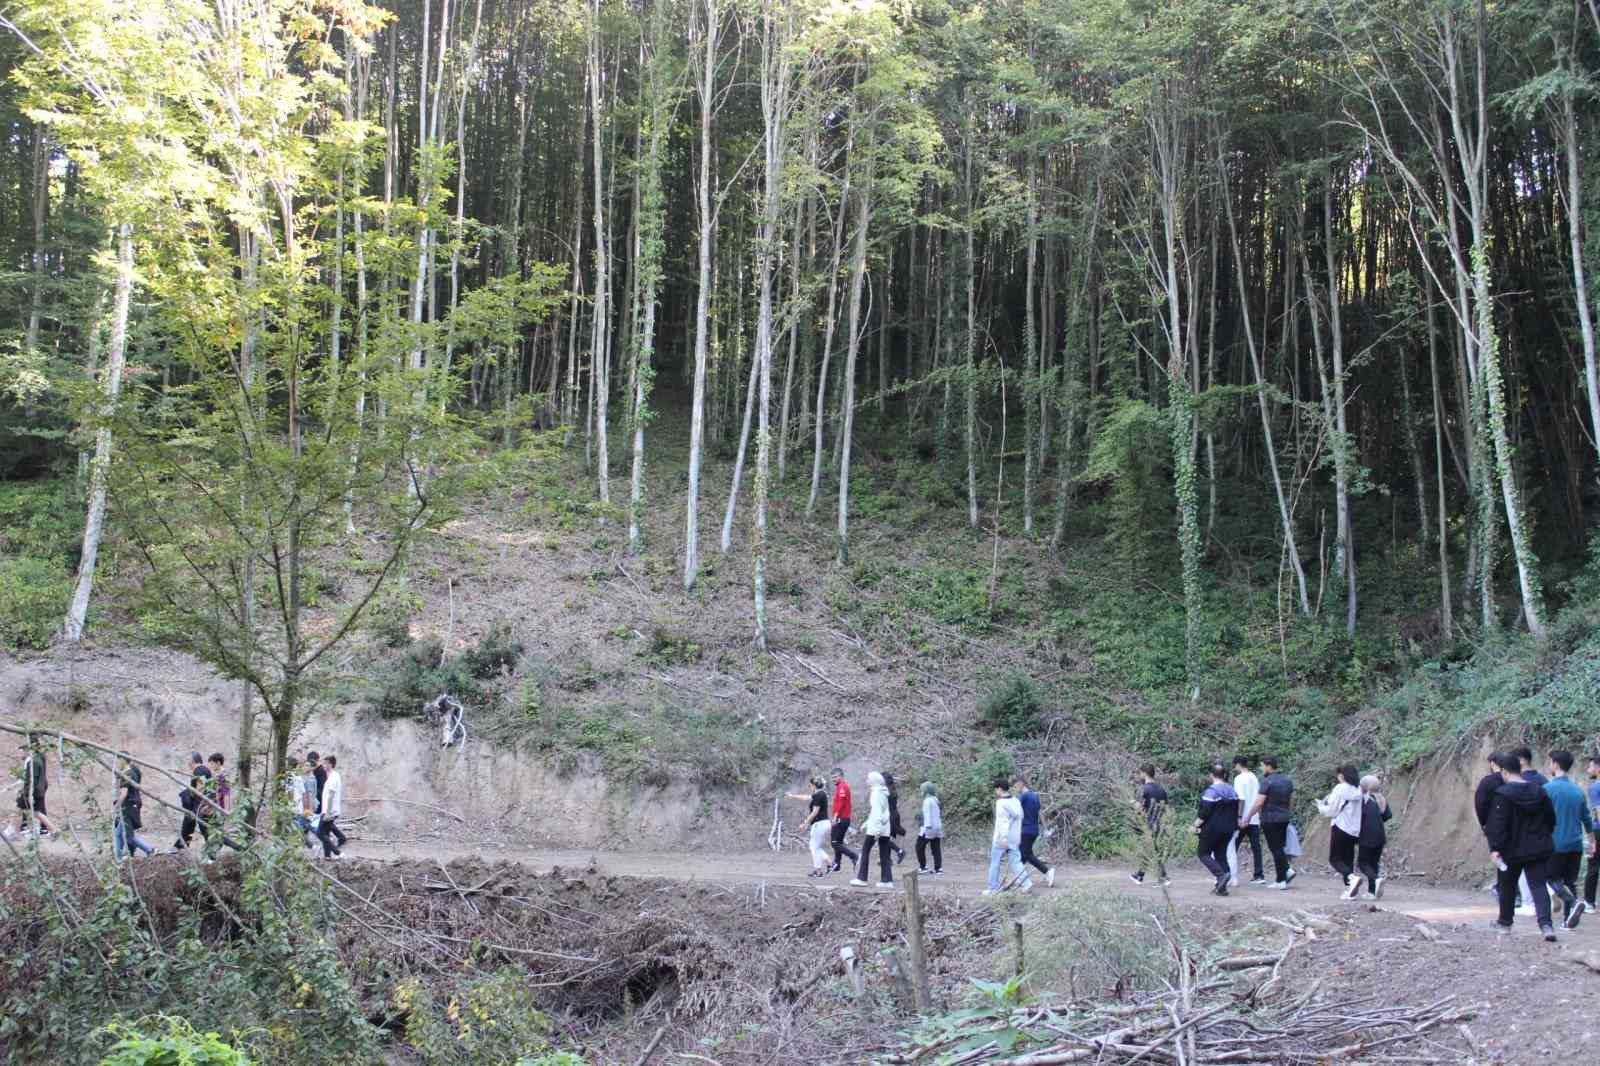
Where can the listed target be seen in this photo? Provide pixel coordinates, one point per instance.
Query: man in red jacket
(841, 820)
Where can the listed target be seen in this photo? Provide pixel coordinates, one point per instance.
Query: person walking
(1591, 877)
(33, 782)
(1573, 823)
(841, 821)
(1342, 806)
(301, 810)
(876, 830)
(125, 839)
(1520, 832)
(1248, 787)
(332, 807)
(1006, 841)
(1274, 805)
(1029, 799)
(189, 800)
(816, 825)
(1375, 811)
(896, 828)
(1215, 824)
(930, 832)
(215, 804)
(1150, 803)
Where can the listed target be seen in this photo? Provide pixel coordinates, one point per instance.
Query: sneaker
(938, 873)
(834, 868)
(1220, 890)
(1498, 926)
(1377, 888)
(1137, 878)
(1026, 886)
(1258, 881)
(1369, 898)
(1549, 932)
(1233, 882)
(888, 885)
(1279, 886)
(990, 891)
(856, 882)
(1288, 878)
(1352, 889)
(1576, 916)
(924, 870)
(1050, 877)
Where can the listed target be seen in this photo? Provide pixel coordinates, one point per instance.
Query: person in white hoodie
(1007, 839)
(1248, 786)
(1343, 807)
(876, 829)
(332, 807)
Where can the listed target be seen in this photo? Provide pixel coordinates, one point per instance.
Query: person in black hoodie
(895, 828)
(1488, 785)
(1215, 823)
(1519, 829)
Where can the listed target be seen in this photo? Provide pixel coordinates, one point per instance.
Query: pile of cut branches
(1229, 1010)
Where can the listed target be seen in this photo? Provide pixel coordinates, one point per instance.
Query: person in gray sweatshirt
(931, 836)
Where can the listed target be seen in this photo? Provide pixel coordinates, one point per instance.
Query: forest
(1293, 295)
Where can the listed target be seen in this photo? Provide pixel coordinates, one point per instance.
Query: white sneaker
(1352, 890)
(1233, 882)
(887, 885)
(1026, 886)
(1279, 886)
(856, 882)
(1050, 877)
(1377, 888)
(990, 891)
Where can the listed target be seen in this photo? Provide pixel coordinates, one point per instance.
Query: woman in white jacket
(1007, 839)
(876, 829)
(931, 834)
(1343, 807)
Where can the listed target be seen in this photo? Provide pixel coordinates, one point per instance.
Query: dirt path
(966, 876)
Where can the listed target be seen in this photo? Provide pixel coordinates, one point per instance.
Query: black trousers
(1341, 851)
(1591, 879)
(1367, 860)
(1253, 832)
(924, 844)
(1213, 853)
(1536, 872)
(1563, 870)
(1277, 834)
(1028, 857)
(841, 826)
(883, 844)
(330, 828)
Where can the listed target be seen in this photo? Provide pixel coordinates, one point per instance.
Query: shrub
(1091, 943)
(671, 649)
(33, 600)
(966, 785)
(1012, 707)
(176, 1045)
(495, 654)
(490, 1022)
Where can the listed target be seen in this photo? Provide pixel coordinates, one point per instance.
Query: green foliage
(1088, 942)
(422, 671)
(965, 783)
(33, 600)
(491, 1021)
(174, 1044)
(668, 648)
(274, 985)
(1012, 706)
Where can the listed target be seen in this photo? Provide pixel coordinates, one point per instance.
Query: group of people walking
(1536, 827)
(314, 785)
(828, 817)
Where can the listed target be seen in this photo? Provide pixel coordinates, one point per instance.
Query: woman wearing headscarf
(876, 829)
(931, 834)
(1370, 841)
(1342, 806)
(896, 828)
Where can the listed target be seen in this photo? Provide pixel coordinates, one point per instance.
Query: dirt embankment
(159, 706)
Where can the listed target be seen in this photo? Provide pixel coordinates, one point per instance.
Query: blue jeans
(996, 853)
(125, 841)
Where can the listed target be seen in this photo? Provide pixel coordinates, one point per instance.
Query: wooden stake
(919, 950)
(1016, 939)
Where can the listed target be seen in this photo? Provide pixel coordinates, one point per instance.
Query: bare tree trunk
(599, 383)
(726, 543)
(802, 222)
(111, 386)
(847, 397)
(1032, 453)
(828, 323)
(1446, 622)
(41, 207)
(1580, 283)
(970, 433)
(706, 87)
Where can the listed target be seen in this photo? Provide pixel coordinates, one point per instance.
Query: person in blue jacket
(1573, 821)
(1030, 827)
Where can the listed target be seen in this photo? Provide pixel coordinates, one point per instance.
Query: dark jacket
(1030, 812)
(1522, 821)
(1219, 810)
(1373, 835)
(895, 828)
(1483, 798)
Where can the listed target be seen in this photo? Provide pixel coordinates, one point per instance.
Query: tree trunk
(111, 386)
(702, 306)
(599, 378)
(847, 396)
